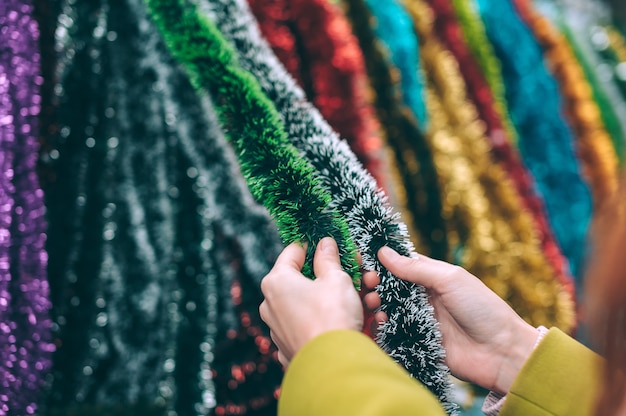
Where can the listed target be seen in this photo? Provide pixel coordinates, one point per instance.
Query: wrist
(515, 353)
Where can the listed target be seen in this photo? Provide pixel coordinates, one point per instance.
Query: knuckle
(266, 284)
(263, 311)
(343, 279)
(454, 272)
(407, 262)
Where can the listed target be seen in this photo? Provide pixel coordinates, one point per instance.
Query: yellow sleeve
(345, 373)
(560, 378)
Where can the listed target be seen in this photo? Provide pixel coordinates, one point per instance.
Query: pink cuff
(494, 401)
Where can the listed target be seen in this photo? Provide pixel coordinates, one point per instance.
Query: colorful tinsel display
(418, 181)
(479, 225)
(578, 23)
(394, 27)
(489, 124)
(474, 34)
(449, 30)
(593, 144)
(545, 141)
(25, 325)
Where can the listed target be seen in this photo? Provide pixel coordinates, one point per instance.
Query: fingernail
(327, 245)
(387, 252)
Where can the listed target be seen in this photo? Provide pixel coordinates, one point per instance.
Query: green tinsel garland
(276, 174)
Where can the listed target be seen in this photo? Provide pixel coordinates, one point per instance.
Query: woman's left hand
(298, 309)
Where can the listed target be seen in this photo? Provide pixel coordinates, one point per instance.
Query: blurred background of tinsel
(131, 249)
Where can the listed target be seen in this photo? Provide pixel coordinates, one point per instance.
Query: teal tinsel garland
(394, 27)
(546, 142)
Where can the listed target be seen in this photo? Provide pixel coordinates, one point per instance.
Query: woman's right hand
(486, 342)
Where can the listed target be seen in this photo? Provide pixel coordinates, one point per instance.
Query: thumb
(412, 269)
(326, 259)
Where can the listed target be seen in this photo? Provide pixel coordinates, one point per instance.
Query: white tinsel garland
(411, 335)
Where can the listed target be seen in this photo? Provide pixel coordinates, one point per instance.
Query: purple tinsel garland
(25, 326)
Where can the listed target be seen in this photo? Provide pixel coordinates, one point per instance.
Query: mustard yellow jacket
(345, 373)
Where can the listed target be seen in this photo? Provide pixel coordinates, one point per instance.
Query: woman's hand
(486, 342)
(298, 309)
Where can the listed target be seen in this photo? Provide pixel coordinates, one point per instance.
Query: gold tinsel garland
(594, 146)
(494, 235)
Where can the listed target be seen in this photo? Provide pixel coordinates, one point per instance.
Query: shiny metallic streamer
(25, 326)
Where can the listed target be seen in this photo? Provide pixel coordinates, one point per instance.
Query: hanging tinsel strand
(25, 327)
(411, 335)
(161, 241)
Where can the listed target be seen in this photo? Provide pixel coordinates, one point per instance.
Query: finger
(380, 317)
(412, 269)
(326, 259)
(264, 313)
(292, 256)
(276, 340)
(371, 279)
(282, 359)
(372, 301)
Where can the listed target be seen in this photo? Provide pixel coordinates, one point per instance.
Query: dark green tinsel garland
(277, 176)
(156, 245)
